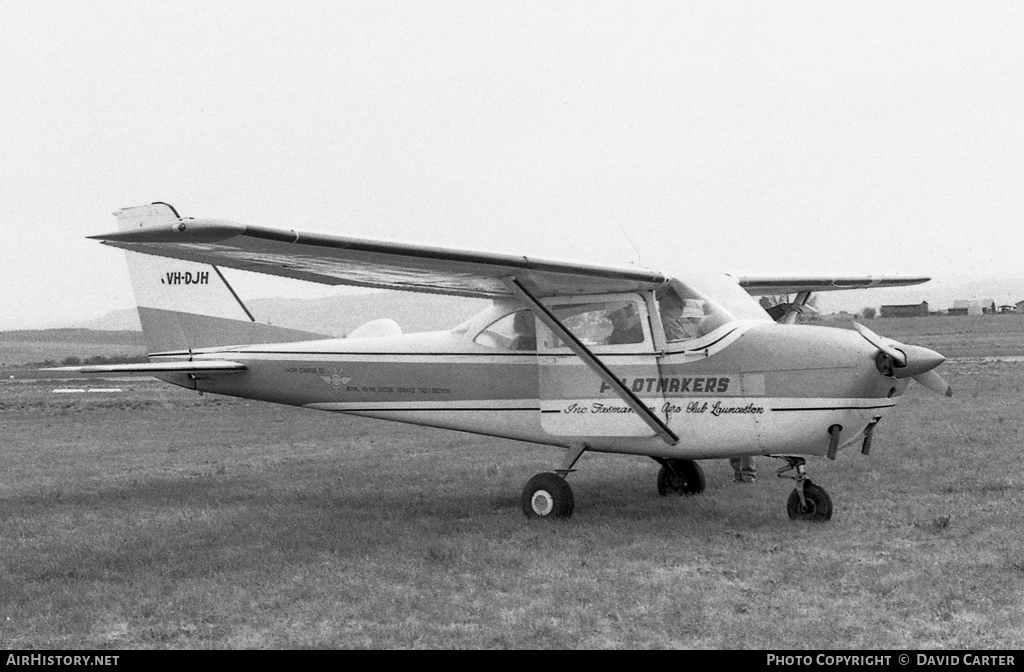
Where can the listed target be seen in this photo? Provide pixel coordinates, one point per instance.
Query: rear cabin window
(512, 332)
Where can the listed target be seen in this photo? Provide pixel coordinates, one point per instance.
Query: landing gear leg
(549, 495)
(808, 501)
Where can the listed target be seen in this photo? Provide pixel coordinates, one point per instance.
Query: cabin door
(574, 400)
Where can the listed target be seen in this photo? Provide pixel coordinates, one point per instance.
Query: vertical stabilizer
(186, 305)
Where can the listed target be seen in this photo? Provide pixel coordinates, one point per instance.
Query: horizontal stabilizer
(205, 366)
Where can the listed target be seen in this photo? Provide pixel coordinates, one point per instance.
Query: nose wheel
(808, 501)
(815, 505)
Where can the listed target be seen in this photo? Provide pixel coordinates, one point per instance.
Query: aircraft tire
(547, 496)
(685, 477)
(819, 504)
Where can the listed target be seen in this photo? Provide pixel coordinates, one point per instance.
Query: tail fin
(185, 305)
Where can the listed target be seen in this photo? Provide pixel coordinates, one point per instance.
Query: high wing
(758, 286)
(337, 260)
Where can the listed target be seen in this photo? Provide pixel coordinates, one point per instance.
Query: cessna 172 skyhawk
(589, 358)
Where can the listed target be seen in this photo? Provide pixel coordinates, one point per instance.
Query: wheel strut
(572, 455)
(798, 464)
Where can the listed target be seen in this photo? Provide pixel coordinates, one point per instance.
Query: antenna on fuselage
(618, 222)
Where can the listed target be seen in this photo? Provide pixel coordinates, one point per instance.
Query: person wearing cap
(625, 326)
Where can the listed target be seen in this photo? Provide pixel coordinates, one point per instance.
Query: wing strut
(591, 360)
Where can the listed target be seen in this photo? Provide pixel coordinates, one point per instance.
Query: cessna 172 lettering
(676, 367)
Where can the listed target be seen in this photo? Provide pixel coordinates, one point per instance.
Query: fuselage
(744, 388)
(679, 364)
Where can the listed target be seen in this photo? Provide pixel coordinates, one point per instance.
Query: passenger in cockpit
(681, 318)
(524, 332)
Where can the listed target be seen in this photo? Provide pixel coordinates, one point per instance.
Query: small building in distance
(908, 310)
(973, 307)
(841, 316)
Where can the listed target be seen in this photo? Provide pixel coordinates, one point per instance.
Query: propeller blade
(882, 344)
(910, 361)
(935, 383)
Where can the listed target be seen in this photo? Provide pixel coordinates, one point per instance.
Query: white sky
(755, 137)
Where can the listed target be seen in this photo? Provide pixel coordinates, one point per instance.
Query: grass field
(958, 336)
(158, 518)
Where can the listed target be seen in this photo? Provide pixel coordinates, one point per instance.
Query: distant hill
(119, 334)
(118, 338)
(338, 315)
(125, 319)
(54, 346)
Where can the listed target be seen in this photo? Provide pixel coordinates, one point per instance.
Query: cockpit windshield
(693, 309)
(726, 291)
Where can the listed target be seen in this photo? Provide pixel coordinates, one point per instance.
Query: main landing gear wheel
(547, 496)
(816, 507)
(680, 477)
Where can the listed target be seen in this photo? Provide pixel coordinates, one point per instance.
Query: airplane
(677, 367)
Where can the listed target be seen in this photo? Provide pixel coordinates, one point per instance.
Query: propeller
(907, 361)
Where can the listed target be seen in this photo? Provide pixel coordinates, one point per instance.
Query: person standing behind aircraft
(744, 469)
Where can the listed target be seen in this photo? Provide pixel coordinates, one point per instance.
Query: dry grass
(14, 353)
(162, 519)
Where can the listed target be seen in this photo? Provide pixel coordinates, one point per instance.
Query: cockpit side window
(686, 315)
(515, 331)
(600, 323)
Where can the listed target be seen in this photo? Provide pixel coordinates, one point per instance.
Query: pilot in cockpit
(682, 318)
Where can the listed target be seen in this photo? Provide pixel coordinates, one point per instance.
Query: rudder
(187, 305)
